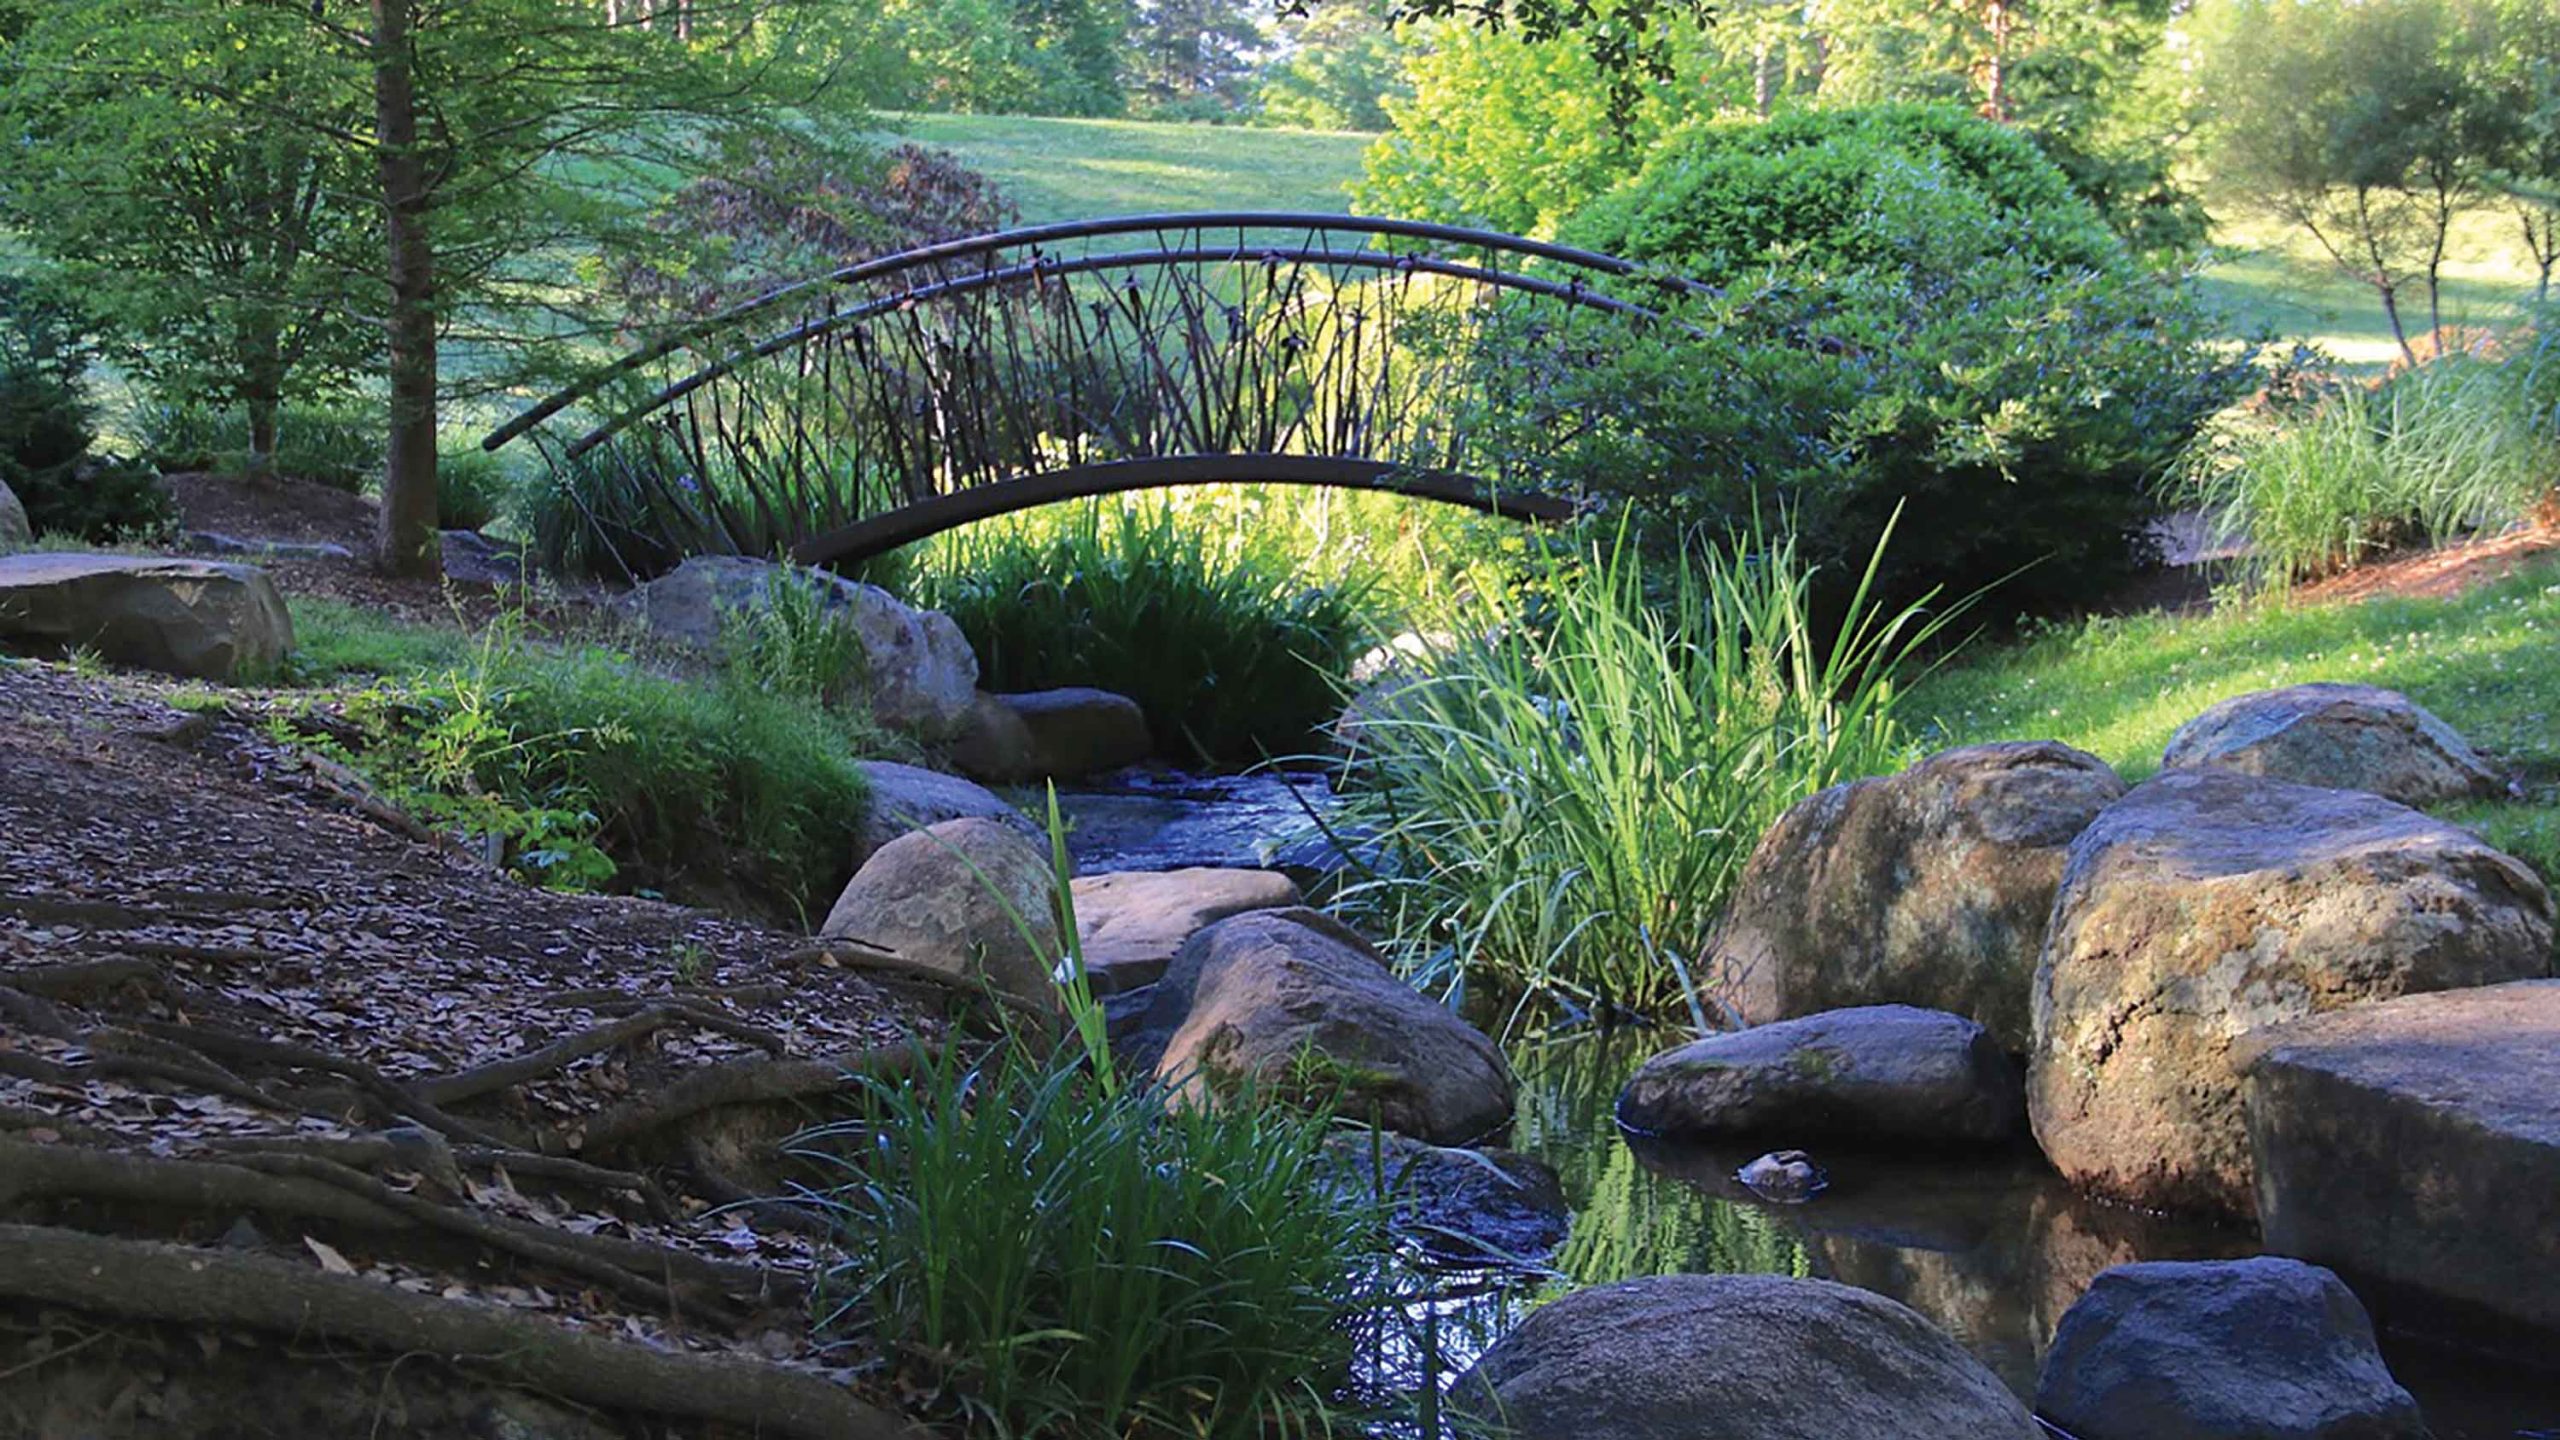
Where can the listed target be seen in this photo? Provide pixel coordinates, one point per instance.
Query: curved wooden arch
(923, 519)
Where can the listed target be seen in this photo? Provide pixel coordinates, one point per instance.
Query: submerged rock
(971, 898)
(2207, 904)
(2260, 1349)
(2418, 1141)
(2343, 737)
(1734, 1357)
(1928, 888)
(200, 619)
(1881, 1073)
(1492, 1205)
(1295, 1006)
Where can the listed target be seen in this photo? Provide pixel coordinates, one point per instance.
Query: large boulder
(970, 898)
(1063, 734)
(2418, 1141)
(1734, 1357)
(1298, 1007)
(197, 618)
(1131, 924)
(1881, 1073)
(2258, 1349)
(2345, 737)
(2207, 904)
(14, 530)
(1926, 888)
(922, 674)
(907, 798)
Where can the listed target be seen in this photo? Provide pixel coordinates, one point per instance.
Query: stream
(1993, 1247)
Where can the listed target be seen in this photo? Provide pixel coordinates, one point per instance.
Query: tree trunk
(406, 537)
(262, 409)
(1768, 65)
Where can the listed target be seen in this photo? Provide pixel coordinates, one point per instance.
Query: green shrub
(1918, 314)
(472, 489)
(45, 435)
(2432, 454)
(339, 445)
(1228, 649)
(1564, 802)
(717, 783)
(1047, 1255)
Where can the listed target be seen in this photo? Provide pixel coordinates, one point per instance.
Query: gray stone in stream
(907, 798)
(971, 898)
(1292, 1005)
(1132, 924)
(14, 530)
(2205, 905)
(1735, 1357)
(922, 674)
(1063, 734)
(196, 618)
(2345, 737)
(2418, 1141)
(1890, 1074)
(1931, 887)
(2259, 1349)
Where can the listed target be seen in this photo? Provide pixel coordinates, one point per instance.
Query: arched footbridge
(907, 395)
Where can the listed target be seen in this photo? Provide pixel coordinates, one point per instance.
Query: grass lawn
(1079, 169)
(2119, 687)
(2281, 280)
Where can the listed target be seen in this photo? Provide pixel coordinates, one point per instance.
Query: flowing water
(1991, 1246)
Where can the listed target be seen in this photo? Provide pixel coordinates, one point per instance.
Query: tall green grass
(1218, 631)
(1564, 800)
(1044, 1254)
(2447, 449)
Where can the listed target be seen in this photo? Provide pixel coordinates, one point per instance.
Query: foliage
(1946, 328)
(1336, 71)
(782, 214)
(47, 328)
(224, 253)
(45, 438)
(667, 772)
(793, 643)
(2366, 127)
(2120, 687)
(636, 506)
(1046, 57)
(1565, 796)
(338, 445)
(1059, 1257)
(472, 488)
(1105, 594)
(2432, 454)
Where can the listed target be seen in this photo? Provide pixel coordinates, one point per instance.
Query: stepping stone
(2417, 1141)
(1132, 924)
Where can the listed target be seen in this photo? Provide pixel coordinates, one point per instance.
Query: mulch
(215, 956)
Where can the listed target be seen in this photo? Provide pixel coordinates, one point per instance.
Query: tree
(222, 254)
(1194, 55)
(1337, 68)
(2362, 125)
(2523, 83)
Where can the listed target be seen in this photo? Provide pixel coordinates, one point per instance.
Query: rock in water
(971, 898)
(1053, 734)
(2205, 905)
(14, 530)
(1294, 1005)
(2262, 1349)
(1927, 888)
(907, 798)
(1735, 1357)
(196, 618)
(1133, 923)
(921, 673)
(2418, 1141)
(2343, 737)
(1883, 1073)
(1784, 1177)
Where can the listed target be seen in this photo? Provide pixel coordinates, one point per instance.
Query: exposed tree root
(173, 1283)
(713, 1180)
(742, 1082)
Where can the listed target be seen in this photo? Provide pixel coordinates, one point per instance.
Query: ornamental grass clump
(1562, 802)
(1042, 1252)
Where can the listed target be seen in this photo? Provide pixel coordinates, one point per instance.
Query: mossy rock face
(1879, 1074)
(1288, 1006)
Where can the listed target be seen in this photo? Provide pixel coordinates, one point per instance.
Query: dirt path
(236, 1012)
